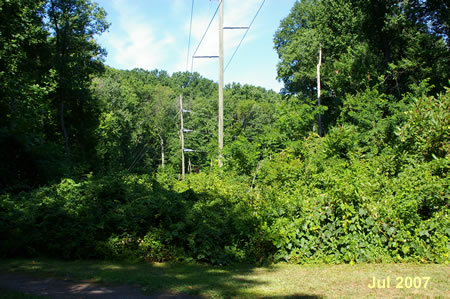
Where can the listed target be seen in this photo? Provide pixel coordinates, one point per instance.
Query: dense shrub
(128, 216)
(333, 199)
(344, 200)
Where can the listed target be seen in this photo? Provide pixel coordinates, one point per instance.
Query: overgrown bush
(332, 199)
(128, 217)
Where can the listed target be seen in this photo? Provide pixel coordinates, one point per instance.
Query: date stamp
(399, 282)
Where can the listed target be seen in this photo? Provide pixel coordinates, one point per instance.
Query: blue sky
(154, 34)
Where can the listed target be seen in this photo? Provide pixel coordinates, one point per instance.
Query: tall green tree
(313, 24)
(390, 44)
(26, 117)
(163, 112)
(409, 38)
(23, 69)
(77, 57)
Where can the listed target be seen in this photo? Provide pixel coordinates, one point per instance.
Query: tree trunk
(63, 128)
(161, 141)
(258, 166)
(62, 88)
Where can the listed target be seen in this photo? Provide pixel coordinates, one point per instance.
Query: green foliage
(388, 45)
(333, 199)
(128, 217)
(342, 198)
(341, 141)
(426, 132)
(241, 155)
(342, 211)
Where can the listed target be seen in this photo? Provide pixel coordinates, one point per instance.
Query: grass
(276, 281)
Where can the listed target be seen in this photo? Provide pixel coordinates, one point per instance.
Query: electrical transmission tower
(221, 69)
(220, 116)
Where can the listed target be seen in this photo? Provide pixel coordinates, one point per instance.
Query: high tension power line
(245, 34)
(181, 111)
(203, 37)
(190, 34)
(221, 68)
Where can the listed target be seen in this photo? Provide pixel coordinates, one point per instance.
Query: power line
(204, 34)
(245, 34)
(139, 156)
(190, 32)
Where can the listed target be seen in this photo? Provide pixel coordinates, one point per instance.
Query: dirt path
(59, 289)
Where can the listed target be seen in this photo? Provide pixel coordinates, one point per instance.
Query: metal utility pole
(318, 89)
(182, 137)
(220, 82)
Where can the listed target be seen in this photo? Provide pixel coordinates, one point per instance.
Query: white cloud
(178, 6)
(137, 43)
(141, 48)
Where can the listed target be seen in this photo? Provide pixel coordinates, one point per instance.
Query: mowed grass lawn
(275, 281)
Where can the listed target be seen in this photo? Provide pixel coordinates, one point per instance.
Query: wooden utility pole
(220, 82)
(318, 89)
(182, 137)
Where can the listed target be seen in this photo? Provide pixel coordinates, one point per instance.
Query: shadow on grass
(190, 279)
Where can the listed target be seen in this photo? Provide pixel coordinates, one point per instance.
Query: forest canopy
(91, 155)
